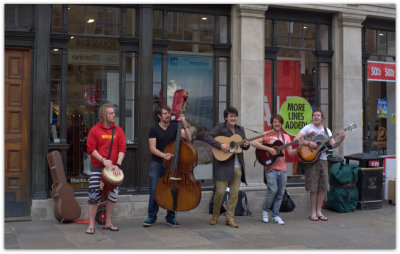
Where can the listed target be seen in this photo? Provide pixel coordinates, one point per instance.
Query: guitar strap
(112, 138)
(326, 131)
(327, 134)
(283, 138)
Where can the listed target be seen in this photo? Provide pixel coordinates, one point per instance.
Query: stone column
(248, 44)
(347, 79)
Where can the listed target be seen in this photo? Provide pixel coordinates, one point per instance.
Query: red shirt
(99, 139)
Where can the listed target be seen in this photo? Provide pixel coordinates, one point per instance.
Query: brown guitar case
(66, 208)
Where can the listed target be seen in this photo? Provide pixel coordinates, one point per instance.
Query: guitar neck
(323, 142)
(282, 147)
(251, 139)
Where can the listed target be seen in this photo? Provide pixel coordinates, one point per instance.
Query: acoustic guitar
(266, 159)
(310, 155)
(234, 142)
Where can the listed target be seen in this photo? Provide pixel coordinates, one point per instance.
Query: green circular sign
(296, 113)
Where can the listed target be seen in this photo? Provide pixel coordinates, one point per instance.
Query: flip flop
(323, 218)
(112, 228)
(90, 231)
(313, 218)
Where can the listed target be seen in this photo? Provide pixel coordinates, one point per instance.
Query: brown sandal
(112, 228)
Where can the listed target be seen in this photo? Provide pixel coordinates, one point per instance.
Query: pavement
(361, 229)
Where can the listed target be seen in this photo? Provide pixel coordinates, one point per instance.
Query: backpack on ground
(242, 206)
(343, 192)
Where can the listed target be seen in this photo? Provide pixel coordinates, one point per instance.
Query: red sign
(373, 163)
(381, 71)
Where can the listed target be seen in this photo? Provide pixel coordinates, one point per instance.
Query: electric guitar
(234, 142)
(310, 155)
(266, 159)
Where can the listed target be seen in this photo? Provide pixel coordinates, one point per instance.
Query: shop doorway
(17, 66)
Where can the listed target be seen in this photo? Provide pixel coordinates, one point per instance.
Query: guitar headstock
(350, 127)
(311, 134)
(271, 133)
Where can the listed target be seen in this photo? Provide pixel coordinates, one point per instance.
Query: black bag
(242, 206)
(287, 204)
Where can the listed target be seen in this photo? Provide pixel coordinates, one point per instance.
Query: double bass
(177, 190)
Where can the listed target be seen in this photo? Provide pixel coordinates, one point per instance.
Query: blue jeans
(276, 183)
(157, 170)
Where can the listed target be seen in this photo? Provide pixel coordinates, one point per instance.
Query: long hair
(103, 111)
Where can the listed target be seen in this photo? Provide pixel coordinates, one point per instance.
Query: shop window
(175, 26)
(157, 88)
(391, 43)
(381, 103)
(324, 37)
(309, 35)
(191, 27)
(268, 100)
(93, 79)
(130, 85)
(207, 24)
(56, 18)
(131, 21)
(157, 24)
(324, 91)
(55, 95)
(268, 32)
(296, 76)
(222, 86)
(379, 133)
(223, 29)
(371, 41)
(18, 16)
(91, 19)
(381, 43)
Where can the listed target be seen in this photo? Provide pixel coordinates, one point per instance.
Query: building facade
(61, 65)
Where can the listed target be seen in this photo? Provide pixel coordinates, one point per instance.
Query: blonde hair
(103, 111)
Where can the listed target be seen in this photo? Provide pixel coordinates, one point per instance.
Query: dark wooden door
(17, 80)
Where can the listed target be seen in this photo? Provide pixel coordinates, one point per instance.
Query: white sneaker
(265, 216)
(278, 220)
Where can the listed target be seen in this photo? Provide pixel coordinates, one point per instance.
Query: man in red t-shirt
(98, 145)
(275, 174)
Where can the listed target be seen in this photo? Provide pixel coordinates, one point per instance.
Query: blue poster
(194, 73)
(381, 111)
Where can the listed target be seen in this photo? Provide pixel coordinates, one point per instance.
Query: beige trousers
(233, 194)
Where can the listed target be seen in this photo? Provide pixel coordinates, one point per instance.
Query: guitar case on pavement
(66, 208)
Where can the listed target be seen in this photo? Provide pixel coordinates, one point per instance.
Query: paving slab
(361, 229)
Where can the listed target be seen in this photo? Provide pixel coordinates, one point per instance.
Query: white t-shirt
(318, 131)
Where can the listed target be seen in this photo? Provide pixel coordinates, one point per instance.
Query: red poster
(381, 71)
(288, 84)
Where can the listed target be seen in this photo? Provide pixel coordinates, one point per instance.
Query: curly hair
(103, 111)
(276, 116)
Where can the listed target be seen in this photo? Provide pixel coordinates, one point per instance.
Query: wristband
(119, 165)
(102, 160)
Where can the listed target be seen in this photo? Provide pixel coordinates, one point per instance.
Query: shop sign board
(381, 71)
(92, 57)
